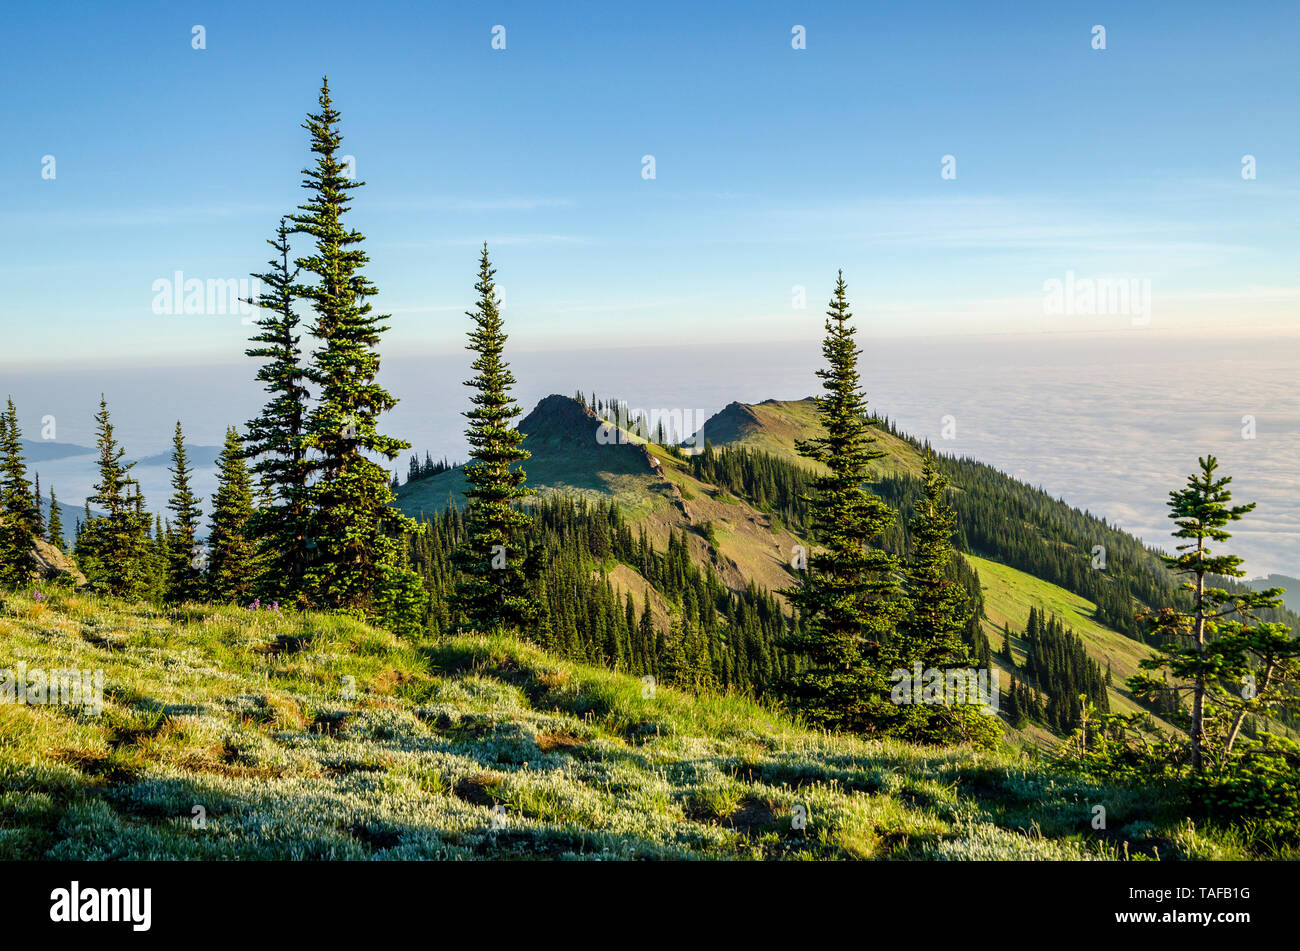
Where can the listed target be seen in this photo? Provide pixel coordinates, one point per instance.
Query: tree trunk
(1198, 693)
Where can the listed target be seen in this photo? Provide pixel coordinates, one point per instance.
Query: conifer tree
(356, 536)
(1015, 715)
(935, 616)
(159, 561)
(674, 667)
(848, 596)
(936, 609)
(55, 530)
(232, 553)
(276, 440)
(17, 515)
(113, 549)
(491, 593)
(37, 507)
(184, 579)
(646, 632)
(1217, 650)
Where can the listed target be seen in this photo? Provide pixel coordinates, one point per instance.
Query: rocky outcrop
(51, 563)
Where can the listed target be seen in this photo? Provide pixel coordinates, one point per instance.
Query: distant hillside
(1292, 585)
(566, 457)
(1008, 596)
(773, 426)
(655, 490)
(1001, 516)
(200, 457)
(40, 450)
(1030, 549)
(69, 514)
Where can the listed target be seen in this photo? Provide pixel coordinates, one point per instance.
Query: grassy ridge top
(247, 714)
(567, 457)
(773, 426)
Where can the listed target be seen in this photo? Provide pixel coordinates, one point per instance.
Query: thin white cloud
(139, 217)
(463, 204)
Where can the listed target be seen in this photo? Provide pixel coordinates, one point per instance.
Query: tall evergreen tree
(37, 509)
(1217, 650)
(113, 549)
(232, 556)
(936, 610)
(848, 596)
(491, 594)
(17, 513)
(276, 440)
(356, 535)
(184, 577)
(935, 616)
(55, 530)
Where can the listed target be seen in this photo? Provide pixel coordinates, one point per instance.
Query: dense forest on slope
(716, 637)
(998, 516)
(1058, 665)
(711, 637)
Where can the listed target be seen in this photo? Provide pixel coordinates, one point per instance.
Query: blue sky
(773, 166)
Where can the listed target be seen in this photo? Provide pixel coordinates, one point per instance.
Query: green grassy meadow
(317, 737)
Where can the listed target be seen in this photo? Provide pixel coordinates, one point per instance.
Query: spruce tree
(159, 561)
(491, 592)
(37, 508)
(55, 530)
(1217, 649)
(17, 513)
(1015, 716)
(356, 538)
(232, 553)
(276, 440)
(184, 578)
(936, 614)
(113, 549)
(848, 596)
(936, 611)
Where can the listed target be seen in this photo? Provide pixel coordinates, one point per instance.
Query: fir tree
(1015, 715)
(936, 611)
(1217, 650)
(17, 513)
(38, 504)
(55, 530)
(184, 579)
(674, 667)
(276, 440)
(848, 597)
(113, 549)
(491, 594)
(646, 634)
(232, 552)
(356, 536)
(935, 617)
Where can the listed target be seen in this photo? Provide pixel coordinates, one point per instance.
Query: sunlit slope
(310, 737)
(1008, 596)
(774, 426)
(655, 491)
(567, 457)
